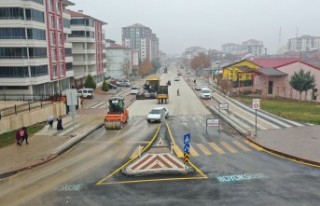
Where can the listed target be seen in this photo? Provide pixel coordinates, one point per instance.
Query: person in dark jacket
(59, 123)
(18, 136)
(24, 135)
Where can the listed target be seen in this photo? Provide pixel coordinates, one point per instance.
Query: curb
(299, 159)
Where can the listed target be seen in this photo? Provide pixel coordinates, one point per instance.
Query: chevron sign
(186, 157)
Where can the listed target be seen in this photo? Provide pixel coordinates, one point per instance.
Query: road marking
(253, 145)
(204, 149)
(241, 177)
(216, 148)
(241, 146)
(229, 147)
(124, 152)
(178, 151)
(193, 152)
(136, 152)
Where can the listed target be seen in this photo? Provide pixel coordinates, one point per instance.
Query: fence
(23, 107)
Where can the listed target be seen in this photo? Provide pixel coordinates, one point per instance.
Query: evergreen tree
(302, 81)
(90, 82)
(105, 86)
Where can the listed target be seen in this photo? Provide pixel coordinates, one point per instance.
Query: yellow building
(240, 71)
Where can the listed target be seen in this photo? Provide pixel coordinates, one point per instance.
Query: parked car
(157, 114)
(177, 78)
(205, 93)
(86, 92)
(112, 86)
(123, 83)
(197, 87)
(135, 90)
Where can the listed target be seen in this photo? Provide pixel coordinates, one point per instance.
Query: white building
(120, 61)
(87, 38)
(35, 58)
(253, 47)
(304, 43)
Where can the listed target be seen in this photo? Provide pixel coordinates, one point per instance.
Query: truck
(162, 94)
(151, 87)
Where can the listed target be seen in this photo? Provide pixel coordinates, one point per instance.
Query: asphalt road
(231, 171)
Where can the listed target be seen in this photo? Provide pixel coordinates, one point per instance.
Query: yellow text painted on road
(229, 147)
(204, 149)
(216, 148)
(136, 152)
(241, 146)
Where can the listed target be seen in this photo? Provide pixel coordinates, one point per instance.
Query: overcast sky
(180, 24)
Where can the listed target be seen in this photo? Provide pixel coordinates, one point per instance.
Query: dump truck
(151, 87)
(162, 94)
(118, 115)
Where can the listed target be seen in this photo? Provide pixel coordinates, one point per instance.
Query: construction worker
(178, 93)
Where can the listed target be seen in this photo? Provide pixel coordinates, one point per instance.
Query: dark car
(112, 86)
(169, 83)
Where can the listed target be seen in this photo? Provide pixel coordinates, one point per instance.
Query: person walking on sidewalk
(50, 121)
(59, 123)
(178, 92)
(18, 136)
(24, 135)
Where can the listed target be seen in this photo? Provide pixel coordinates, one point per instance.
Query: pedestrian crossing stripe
(216, 148)
(200, 148)
(204, 149)
(229, 147)
(193, 152)
(241, 146)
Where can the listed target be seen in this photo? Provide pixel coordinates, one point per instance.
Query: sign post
(72, 102)
(186, 148)
(256, 106)
(213, 122)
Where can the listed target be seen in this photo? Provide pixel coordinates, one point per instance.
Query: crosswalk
(96, 105)
(202, 149)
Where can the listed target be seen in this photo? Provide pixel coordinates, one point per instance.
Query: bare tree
(145, 68)
(126, 67)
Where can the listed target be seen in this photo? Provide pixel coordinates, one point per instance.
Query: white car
(86, 93)
(177, 78)
(205, 93)
(157, 114)
(135, 90)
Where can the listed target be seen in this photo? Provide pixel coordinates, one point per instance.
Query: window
(12, 33)
(69, 66)
(54, 54)
(37, 52)
(38, 1)
(11, 13)
(52, 38)
(51, 21)
(37, 71)
(66, 23)
(14, 72)
(54, 70)
(35, 15)
(38, 34)
(13, 53)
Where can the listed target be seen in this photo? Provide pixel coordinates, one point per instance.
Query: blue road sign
(186, 147)
(187, 138)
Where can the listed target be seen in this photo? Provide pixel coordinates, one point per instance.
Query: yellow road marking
(178, 151)
(136, 152)
(204, 149)
(124, 152)
(229, 147)
(193, 152)
(241, 146)
(154, 180)
(253, 145)
(216, 148)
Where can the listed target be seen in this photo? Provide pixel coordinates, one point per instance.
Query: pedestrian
(178, 93)
(24, 135)
(194, 81)
(59, 123)
(50, 121)
(18, 136)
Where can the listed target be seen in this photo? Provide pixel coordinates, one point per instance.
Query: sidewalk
(47, 144)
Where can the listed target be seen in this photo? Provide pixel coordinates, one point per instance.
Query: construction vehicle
(118, 115)
(151, 87)
(162, 94)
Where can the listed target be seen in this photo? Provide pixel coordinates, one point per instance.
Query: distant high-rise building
(35, 57)
(253, 47)
(142, 39)
(87, 38)
(304, 43)
(232, 48)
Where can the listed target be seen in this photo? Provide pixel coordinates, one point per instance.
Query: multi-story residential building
(87, 38)
(142, 39)
(119, 61)
(304, 43)
(232, 48)
(34, 56)
(253, 47)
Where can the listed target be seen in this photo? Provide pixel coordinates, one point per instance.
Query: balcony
(83, 62)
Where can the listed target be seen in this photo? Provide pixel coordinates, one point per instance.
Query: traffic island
(160, 159)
